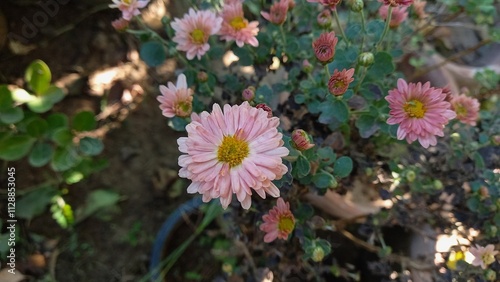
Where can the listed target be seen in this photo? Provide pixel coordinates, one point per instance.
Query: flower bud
(202, 76)
(324, 18)
(318, 254)
(265, 108)
(438, 184)
(496, 140)
(366, 59)
(356, 5)
(490, 275)
(120, 24)
(306, 66)
(411, 175)
(301, 140)
(248, 93)
(455, 137)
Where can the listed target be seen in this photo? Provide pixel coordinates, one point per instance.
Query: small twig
(450, 59)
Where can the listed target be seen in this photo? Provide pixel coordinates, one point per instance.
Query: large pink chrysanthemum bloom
(420, 111)
(279, 222)
(339, 81)
(232, 152)
(466, 108)
(483, 256)
(193, 30)
(332, 4)
(395, 3)
(176, 100)
(324, 47)
(129, 8)
(399, 15)
(277, 13)
(236, 27)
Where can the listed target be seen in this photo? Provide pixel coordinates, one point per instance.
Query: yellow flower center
(183, 108)
(238, 23)
(232, 151)
(198, 36)
(460, 110)
(414, 108)
(286, 224)
(339, 84)
(488, 258)
(126, 1)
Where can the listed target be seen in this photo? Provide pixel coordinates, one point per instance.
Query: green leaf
(91, 146)
(375, 28)
(37, 127)
(97, 200)
(300, 98)
(84, 121)
(12, 115)
(53, 94)
(38, 76)
(367, 125)
(62, 137)
(324, 179)
(333, 110)
(64, 159)
(40, 104)
(303, 166)
(15, 147)
(342, 167)
(6, 100)
(153, 53)
(35, 202)
(56, 121)
(178, 124)
(41, 154)
(352, 32)
(244, 55)
(382, 66)
(22, 96)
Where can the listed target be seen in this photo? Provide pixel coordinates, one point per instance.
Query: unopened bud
(356, 5)
(202, 76)
(496, 140)
(301, 140)
(490, 275)
(318, 254)
(438, 184)
(411, 175)
(306, 66)
(248, 93)
(291, 4)
(455, 137)
(120, 24)
(265, 108)
(484, 192)
(324, 18)
(366, 59)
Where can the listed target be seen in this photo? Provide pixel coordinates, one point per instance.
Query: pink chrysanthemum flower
(279, 222)
(232, 152)
(236, 27)
(399, 15)
(466, 108)
(332, 4)
(483, 256)
(324, 47)
(176, 100)
(420, 111)
(193, 30)
(129, 8)
(340, 80)
(395, 3)
(277, 12)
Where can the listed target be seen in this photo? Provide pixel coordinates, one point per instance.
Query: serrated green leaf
(153, 53)
(12, 115)
(343, 167)
(15, 147)
(302, 166)
(41, 154)
(38, 76)
(91, 146)
(37, 127)
(84, 121)
(367, 125)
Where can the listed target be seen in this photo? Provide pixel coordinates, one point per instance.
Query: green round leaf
(91, 146)
(40, 105)
(342, 167)
(15, 147)
(38, 76)
(62, 137)
(35, 202)
(22, 96)
(324, 179)
(56, 121)
(12, 115)
(53, 94)
(64, 159)
(84, 121)
(367, 125)
(37, 127)
(178, 124)
(6, 100)
(153, 53)
(41, 154)
(302, 166)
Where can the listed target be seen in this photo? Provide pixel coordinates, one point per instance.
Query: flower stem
(337, 20)
(386, 28)
(283, 37)
(363, 29)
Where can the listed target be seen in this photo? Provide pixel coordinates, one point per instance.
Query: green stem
(363, 29)
(153, 33)
(355, 90)
(337, 20)
(283, 37)
(386, 28)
